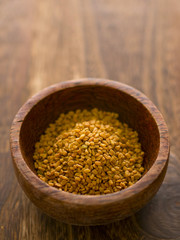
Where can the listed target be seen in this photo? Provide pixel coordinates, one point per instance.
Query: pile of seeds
(89, 152)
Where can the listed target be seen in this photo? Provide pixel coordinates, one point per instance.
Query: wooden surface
(44, 42)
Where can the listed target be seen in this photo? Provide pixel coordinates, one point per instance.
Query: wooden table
(136, 42)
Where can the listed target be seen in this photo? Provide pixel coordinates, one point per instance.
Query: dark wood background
(136, 42)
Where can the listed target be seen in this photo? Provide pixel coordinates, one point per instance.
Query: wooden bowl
(133, 107)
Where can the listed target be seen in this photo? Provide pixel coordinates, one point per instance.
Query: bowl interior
(130, 110)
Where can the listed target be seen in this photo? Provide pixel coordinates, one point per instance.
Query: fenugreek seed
(99, 157)
(129, 169)
(130, 183)
(112, 142)
(84, 146)
(63, 177)
(111, 182)
(40, 150)
(122, 184)
(91, 176)
(51, 184)
(127, 155)
(101, 189)
(141, 169)
(137, 176)
(77, 179)
(36, 165)
(106, 156)
(57, 155)
(82, 136)
(70, 163)
(94, 183)
(116, 176)
(127, 173)
(132, 178)
(98, 163)
(63, 182)
(57, 184)
(78, 165)
(95, 172)
(58, 168)
(50, 151)
(117, 147)
(43, 155)
(107, 191)
(87, 170)
(56, 174)
(103, 145)
(112, 152)
(137, 150)
(41, 169)
(64, 152)
(43, 178)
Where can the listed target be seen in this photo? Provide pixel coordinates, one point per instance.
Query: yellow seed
(43, 155)
(36, 165)
(91, 176)
(56, 174)
(107, 191)
(94, 183)
(122, 184)
(117, 147)
(117, 168)
(77, 179)
(58, 185)
(41, 169)
(82, 136)
(116, 176)
(141, 169)
(87, 170)
(78, 165)
(58, 168)
(63, 177)
(84, 146)
(89, 161)
(63, 182)
(127, 173)
(71, 163)
(127, 155)
(111, 182)
(51, 184)
(50, 151)
(98, 163)
(112, 152)
(137, 176)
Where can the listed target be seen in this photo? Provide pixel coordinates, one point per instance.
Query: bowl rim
(86, 200)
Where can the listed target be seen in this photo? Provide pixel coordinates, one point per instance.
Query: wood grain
(44, 42)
